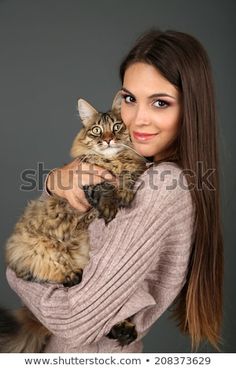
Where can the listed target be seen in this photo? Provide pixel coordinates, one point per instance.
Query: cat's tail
(20, 331)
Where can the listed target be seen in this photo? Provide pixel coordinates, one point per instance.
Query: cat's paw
(124, 332)
(93, 193)
(125, 197)
(106, 209)
(73, 279)
(103, 198)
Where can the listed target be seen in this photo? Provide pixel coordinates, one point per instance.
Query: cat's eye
(96, 131)
(117, 127)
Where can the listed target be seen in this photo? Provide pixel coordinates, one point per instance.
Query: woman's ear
(86, 111)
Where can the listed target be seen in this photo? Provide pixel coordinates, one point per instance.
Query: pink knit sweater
(138, 266)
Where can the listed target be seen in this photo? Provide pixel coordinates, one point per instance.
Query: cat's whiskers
(87, 156)
(121, 143)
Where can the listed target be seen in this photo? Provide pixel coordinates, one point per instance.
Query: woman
(168, 247)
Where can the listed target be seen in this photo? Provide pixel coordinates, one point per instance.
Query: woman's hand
(68, 182)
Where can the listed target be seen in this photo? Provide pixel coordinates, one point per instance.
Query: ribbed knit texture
(138, 266)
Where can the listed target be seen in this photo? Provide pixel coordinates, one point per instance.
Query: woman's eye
(161, 104)
(96, 131)
(128, 98)
(117, 127)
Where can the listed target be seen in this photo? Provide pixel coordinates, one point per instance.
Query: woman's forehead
(142, 77)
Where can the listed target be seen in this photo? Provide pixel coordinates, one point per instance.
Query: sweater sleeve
(128, 251)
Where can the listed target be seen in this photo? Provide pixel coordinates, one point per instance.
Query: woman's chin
(144, 152)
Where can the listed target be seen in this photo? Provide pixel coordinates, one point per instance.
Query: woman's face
(150, 109)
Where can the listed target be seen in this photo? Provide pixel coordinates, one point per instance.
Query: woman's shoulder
(164, 169)
(162, 179)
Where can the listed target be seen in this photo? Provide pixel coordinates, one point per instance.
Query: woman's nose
(141, 116)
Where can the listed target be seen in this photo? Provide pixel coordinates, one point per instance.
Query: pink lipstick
(143, 136)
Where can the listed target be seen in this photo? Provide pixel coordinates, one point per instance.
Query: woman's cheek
(124, 117)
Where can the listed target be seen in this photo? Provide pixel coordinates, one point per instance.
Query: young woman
(167, 248)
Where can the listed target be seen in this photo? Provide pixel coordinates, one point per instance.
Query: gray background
(54, 51)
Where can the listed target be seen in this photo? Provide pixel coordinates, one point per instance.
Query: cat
(50, 242)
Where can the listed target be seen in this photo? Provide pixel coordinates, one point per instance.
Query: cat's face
(106, 134)
(103, 133)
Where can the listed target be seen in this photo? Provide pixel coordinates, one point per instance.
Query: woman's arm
(128, 250)
(68, 181)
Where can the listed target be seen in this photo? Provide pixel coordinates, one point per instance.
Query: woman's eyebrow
(159, 94)
(125, 90)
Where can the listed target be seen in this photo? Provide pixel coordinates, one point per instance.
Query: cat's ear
(86, 111)
(116, 105)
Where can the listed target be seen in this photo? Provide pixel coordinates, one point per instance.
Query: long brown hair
(183, 61)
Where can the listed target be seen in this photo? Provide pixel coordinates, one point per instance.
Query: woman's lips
(143, 136)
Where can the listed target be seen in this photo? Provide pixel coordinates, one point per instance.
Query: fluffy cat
(50, 242)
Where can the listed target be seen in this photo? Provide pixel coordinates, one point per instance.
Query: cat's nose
(107, 139)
